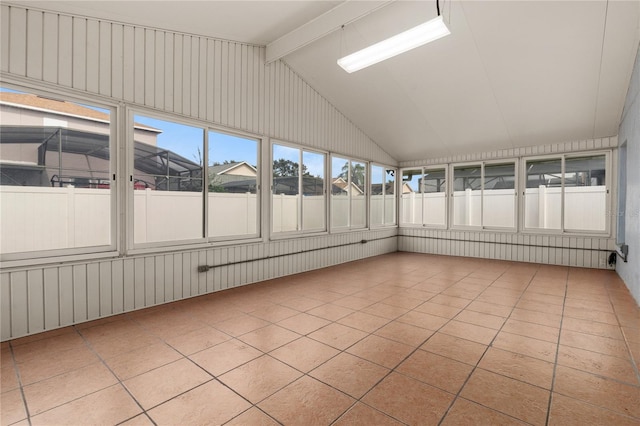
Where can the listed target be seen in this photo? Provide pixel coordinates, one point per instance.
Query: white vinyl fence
(285, 212)
(585, 208)
(383, 204)
(44, 218)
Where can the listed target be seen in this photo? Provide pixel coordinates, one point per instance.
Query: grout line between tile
(555, 361)
(272, 299)
(484, 353)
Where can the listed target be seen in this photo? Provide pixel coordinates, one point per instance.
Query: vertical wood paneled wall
(42, 298)
(582, 251)
(217, 81)
(220, 82)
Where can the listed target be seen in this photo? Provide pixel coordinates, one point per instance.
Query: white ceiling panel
(622, 18)
(511, 74)
(542, 62)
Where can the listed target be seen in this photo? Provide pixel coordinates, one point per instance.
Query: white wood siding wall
(582, 251)
(585, 252)
(217, 81)
(43, 298)
(220, 82)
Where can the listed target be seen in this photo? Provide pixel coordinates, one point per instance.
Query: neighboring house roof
(376, 188)
(342, 184)
(406, 188)
(39, 103)
(289, 185)
(222, 169)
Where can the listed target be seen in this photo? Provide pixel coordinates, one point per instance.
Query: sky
(313, 160)
(185, 141)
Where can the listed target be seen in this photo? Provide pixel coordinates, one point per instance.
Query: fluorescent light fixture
(400, 43)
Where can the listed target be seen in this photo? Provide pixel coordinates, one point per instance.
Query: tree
(286, 168)
(217, 163)
(357, 173)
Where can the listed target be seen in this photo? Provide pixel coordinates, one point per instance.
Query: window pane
(467, 186)
(498, 204)
(313, 197)
(339, 192)
(434, 181)
(410, 196)
(286, 188)
(435, 201)
(543, 197)
(358, 194)
(622, 194)
(232, 185)
(55, 174)
(377, 195)
(585, 193)
(390, 197)
(168, 165)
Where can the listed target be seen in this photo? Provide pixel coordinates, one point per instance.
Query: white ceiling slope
(511, 74)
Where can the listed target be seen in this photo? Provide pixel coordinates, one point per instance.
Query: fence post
(246, 212)
(71, 216)
(147, 201)
(412, 200)
(467, 200)
(542, 206)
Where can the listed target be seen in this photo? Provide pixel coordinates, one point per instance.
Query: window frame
(482, 226)
(384, 190)
(85, 252)
(563, 230)
(236, 237)
(621, 194)
(333, 229)
(299, 205)
(447, 191)
(514, 228)
(451, 203)
(194, 243)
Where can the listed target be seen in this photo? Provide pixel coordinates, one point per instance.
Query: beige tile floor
(396, 339)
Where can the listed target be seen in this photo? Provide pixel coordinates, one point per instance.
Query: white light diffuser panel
(400, 43)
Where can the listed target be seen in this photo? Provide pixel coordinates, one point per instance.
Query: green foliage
(357, 173)
(286, 168)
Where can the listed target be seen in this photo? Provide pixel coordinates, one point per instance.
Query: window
(499, 196)
(622, 193)
(434, 189)
(423, 196)
(348, 195)
(467, 195)
(585, 193)
(167, 181)
(411, 197)
(484, 195)
(56, 176)
(232, 194)
(566, 193)
(171, 183)
(298, 200)
(383, 199)
(542, 198)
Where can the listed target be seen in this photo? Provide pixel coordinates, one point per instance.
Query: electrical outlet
(603, 263)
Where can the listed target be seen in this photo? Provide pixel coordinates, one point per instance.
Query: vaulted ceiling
(511, 74)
